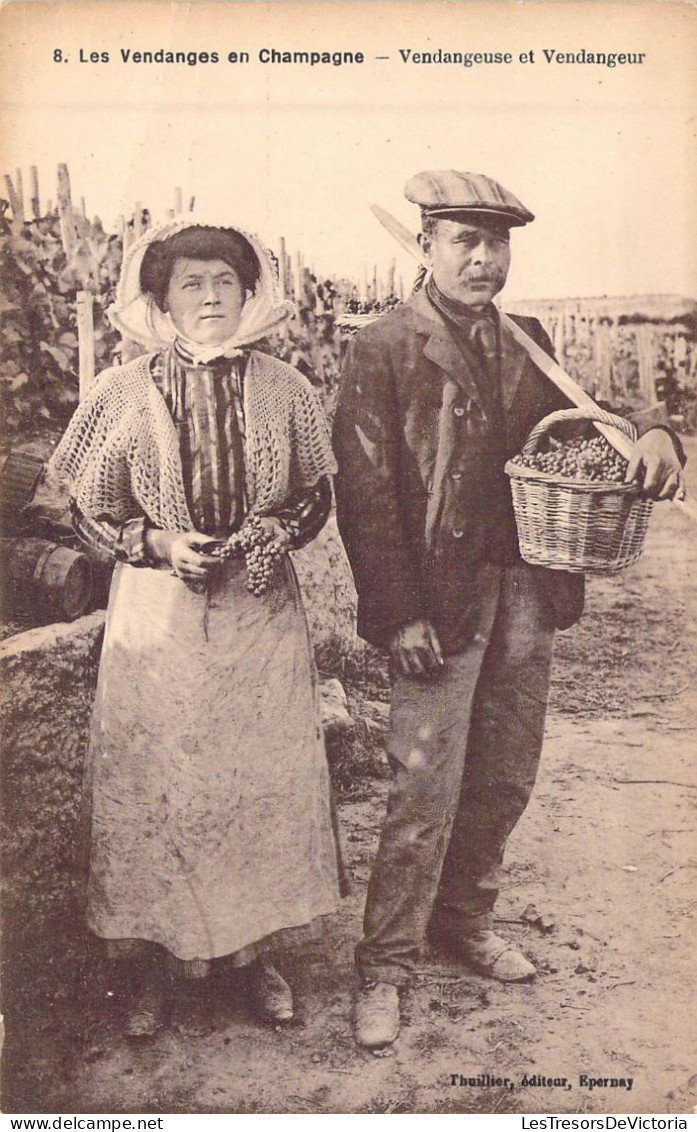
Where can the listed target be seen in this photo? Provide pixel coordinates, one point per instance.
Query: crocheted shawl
(120, 453)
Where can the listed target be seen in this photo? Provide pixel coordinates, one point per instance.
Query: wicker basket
(575, 525)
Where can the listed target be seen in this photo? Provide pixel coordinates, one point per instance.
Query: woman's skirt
(207, 787)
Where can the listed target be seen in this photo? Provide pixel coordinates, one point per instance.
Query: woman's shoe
(271, 996)
(148, 1001)
(145, 1014)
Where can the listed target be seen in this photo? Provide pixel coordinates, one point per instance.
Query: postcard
(225, 205)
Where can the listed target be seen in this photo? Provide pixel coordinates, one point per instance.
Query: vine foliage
(38, 285)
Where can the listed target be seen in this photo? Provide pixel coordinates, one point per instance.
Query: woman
(210, 830)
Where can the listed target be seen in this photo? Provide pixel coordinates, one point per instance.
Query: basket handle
(610, 419)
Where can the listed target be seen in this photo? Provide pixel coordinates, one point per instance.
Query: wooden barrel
(54, 580)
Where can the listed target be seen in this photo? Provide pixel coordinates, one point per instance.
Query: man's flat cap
(447, 192)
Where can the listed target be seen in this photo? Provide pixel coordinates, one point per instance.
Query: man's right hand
(416, 651)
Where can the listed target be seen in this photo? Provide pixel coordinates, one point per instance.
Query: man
(435, 397)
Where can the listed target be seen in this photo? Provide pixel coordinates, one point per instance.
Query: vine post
(84, 301)
(35, 199)
(65, 212)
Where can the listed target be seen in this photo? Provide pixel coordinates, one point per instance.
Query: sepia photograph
(348, 598)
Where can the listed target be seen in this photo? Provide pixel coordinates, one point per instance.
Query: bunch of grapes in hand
(260, 550)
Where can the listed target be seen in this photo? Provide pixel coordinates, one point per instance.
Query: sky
(605, 157)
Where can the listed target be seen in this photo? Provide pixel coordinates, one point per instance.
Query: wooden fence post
(282, 272)
(19, 182)
(85, 339)
(35, 200)
(645, 349)
(391, 276)
(16, 201)
(138, 227)
(602, 361)
(65, 211)
(129, 348)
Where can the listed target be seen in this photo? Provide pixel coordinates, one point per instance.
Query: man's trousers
(464, 748)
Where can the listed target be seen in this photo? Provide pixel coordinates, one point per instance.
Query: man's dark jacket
(423, 503)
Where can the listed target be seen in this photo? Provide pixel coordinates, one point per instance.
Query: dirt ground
(607, 853)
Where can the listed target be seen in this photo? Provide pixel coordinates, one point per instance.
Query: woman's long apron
(207, 777)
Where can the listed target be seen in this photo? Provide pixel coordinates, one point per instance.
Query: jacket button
(459, 411)
(457, 533)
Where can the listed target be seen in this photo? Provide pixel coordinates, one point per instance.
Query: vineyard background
(59, 270)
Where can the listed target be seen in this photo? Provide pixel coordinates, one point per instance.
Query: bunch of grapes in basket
(261, 553)
(592, 461)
